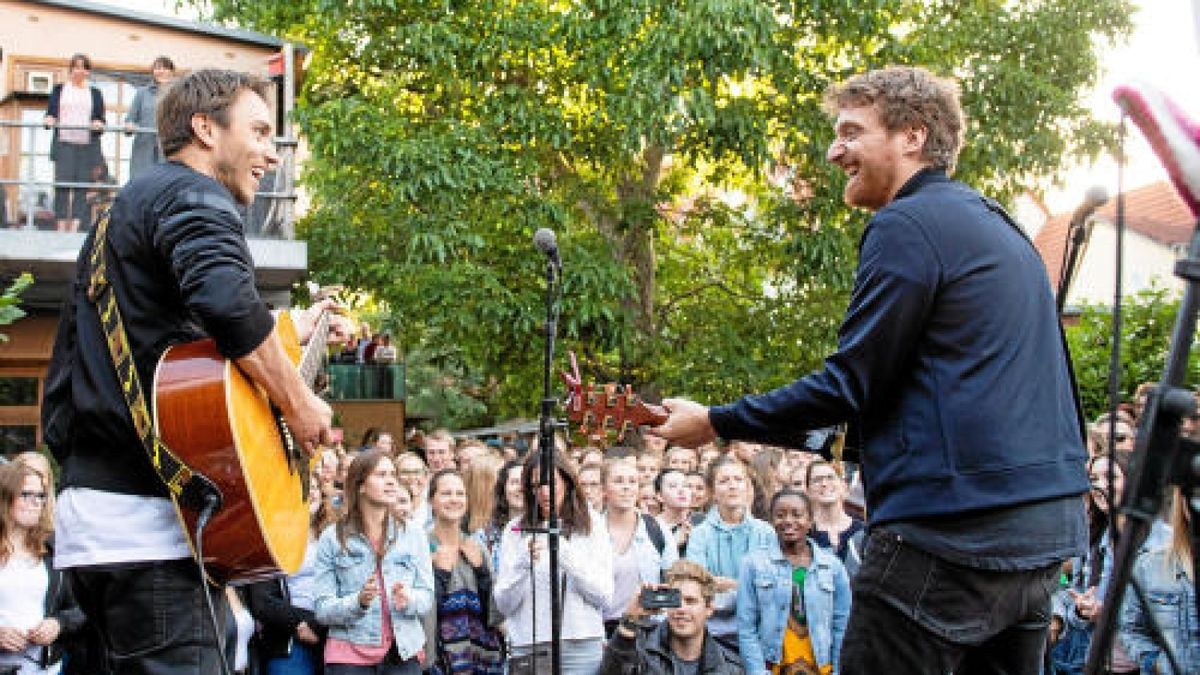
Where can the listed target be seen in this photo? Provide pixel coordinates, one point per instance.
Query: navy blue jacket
(950, 365)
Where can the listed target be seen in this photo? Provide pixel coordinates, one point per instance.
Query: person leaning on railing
(75, 150)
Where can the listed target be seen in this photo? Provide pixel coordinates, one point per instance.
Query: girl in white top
(637, 556)
(585, 563)
(35, 606)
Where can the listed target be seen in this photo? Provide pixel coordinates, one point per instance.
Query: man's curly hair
(908, 97)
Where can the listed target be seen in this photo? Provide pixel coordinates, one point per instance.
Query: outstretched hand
(688, 424)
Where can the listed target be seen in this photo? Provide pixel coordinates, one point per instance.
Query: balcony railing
(366, 382)
(270, 216)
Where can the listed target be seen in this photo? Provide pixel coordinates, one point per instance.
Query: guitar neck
(313, 356)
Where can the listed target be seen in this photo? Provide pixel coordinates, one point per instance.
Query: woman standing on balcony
(75, 150)
(146, 151)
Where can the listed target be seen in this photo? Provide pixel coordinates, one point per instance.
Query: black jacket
(271, 606)
(181, 270)
(650, 654)
(950, 364)
(59, 605)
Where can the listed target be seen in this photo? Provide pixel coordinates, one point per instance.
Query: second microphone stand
(549, 474)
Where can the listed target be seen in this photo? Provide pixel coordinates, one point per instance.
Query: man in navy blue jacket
(952, 370)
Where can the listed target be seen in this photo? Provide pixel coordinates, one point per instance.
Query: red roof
(1155, 211)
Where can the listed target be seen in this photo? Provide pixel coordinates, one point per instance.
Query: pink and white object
(1174, 137)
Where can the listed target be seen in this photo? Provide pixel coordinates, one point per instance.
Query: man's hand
(12, 639)
(45, 632)
(341, 329)
(310, 421)
(50, 121)
(688, 424)
(635, 611)
(97, 125)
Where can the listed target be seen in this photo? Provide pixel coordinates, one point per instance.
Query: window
(18, 391)
(15, 439)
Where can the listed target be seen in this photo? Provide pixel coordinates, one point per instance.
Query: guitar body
(221, 424)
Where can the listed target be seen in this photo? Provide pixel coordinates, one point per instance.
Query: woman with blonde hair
(480, 480)
(36, 605)
(1165, 574)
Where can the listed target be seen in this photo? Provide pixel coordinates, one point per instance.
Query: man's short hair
(210, 92)
(908, 97)
(440, 435)
(686, 570)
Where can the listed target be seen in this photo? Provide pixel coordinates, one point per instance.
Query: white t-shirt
(23, 587)
(95, 527)
(74, 109)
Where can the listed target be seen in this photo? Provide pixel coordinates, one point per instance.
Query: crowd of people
(421, 558)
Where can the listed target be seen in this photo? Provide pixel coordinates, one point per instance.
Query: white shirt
(586, 563)
(23, 587)
(94, 527)
(75, 109)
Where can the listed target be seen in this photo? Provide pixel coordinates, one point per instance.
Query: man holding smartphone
(680, 645)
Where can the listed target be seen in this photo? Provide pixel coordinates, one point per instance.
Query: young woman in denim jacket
(1165, 574)
(793, 602)
(726, 536)
(374, 578)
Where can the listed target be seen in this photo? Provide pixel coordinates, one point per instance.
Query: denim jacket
(1172, 601)
(341, 574)
(764, 601)
(720, 547)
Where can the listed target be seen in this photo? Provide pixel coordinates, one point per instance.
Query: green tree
(10, 310)
(1146, 323)
(676, 147)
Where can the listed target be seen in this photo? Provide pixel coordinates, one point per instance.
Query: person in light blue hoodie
(793, 603)
(728, 534)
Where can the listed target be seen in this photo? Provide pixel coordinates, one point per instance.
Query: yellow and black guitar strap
(187, 487)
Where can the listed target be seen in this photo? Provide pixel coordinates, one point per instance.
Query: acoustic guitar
(222, 425)
(606, 412)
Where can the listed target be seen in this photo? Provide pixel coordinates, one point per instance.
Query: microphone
(547, 243)
(1092, 200)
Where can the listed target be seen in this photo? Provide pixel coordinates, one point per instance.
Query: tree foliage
(1146, 323)
(677, 148)
(10, 300)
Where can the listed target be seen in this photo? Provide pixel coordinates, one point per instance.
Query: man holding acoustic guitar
(170, 268)
(952, 371)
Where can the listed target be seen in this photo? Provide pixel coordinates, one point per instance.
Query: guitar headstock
(606, 409)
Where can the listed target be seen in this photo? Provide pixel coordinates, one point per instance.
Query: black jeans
(152, 616)
(913, 612)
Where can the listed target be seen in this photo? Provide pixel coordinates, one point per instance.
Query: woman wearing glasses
(36, 607)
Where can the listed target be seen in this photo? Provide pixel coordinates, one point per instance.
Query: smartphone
(660, 598)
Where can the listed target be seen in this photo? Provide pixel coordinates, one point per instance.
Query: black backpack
(655, 531)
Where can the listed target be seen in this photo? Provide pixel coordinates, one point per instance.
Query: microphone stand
(1161, 458)
(549, 474)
